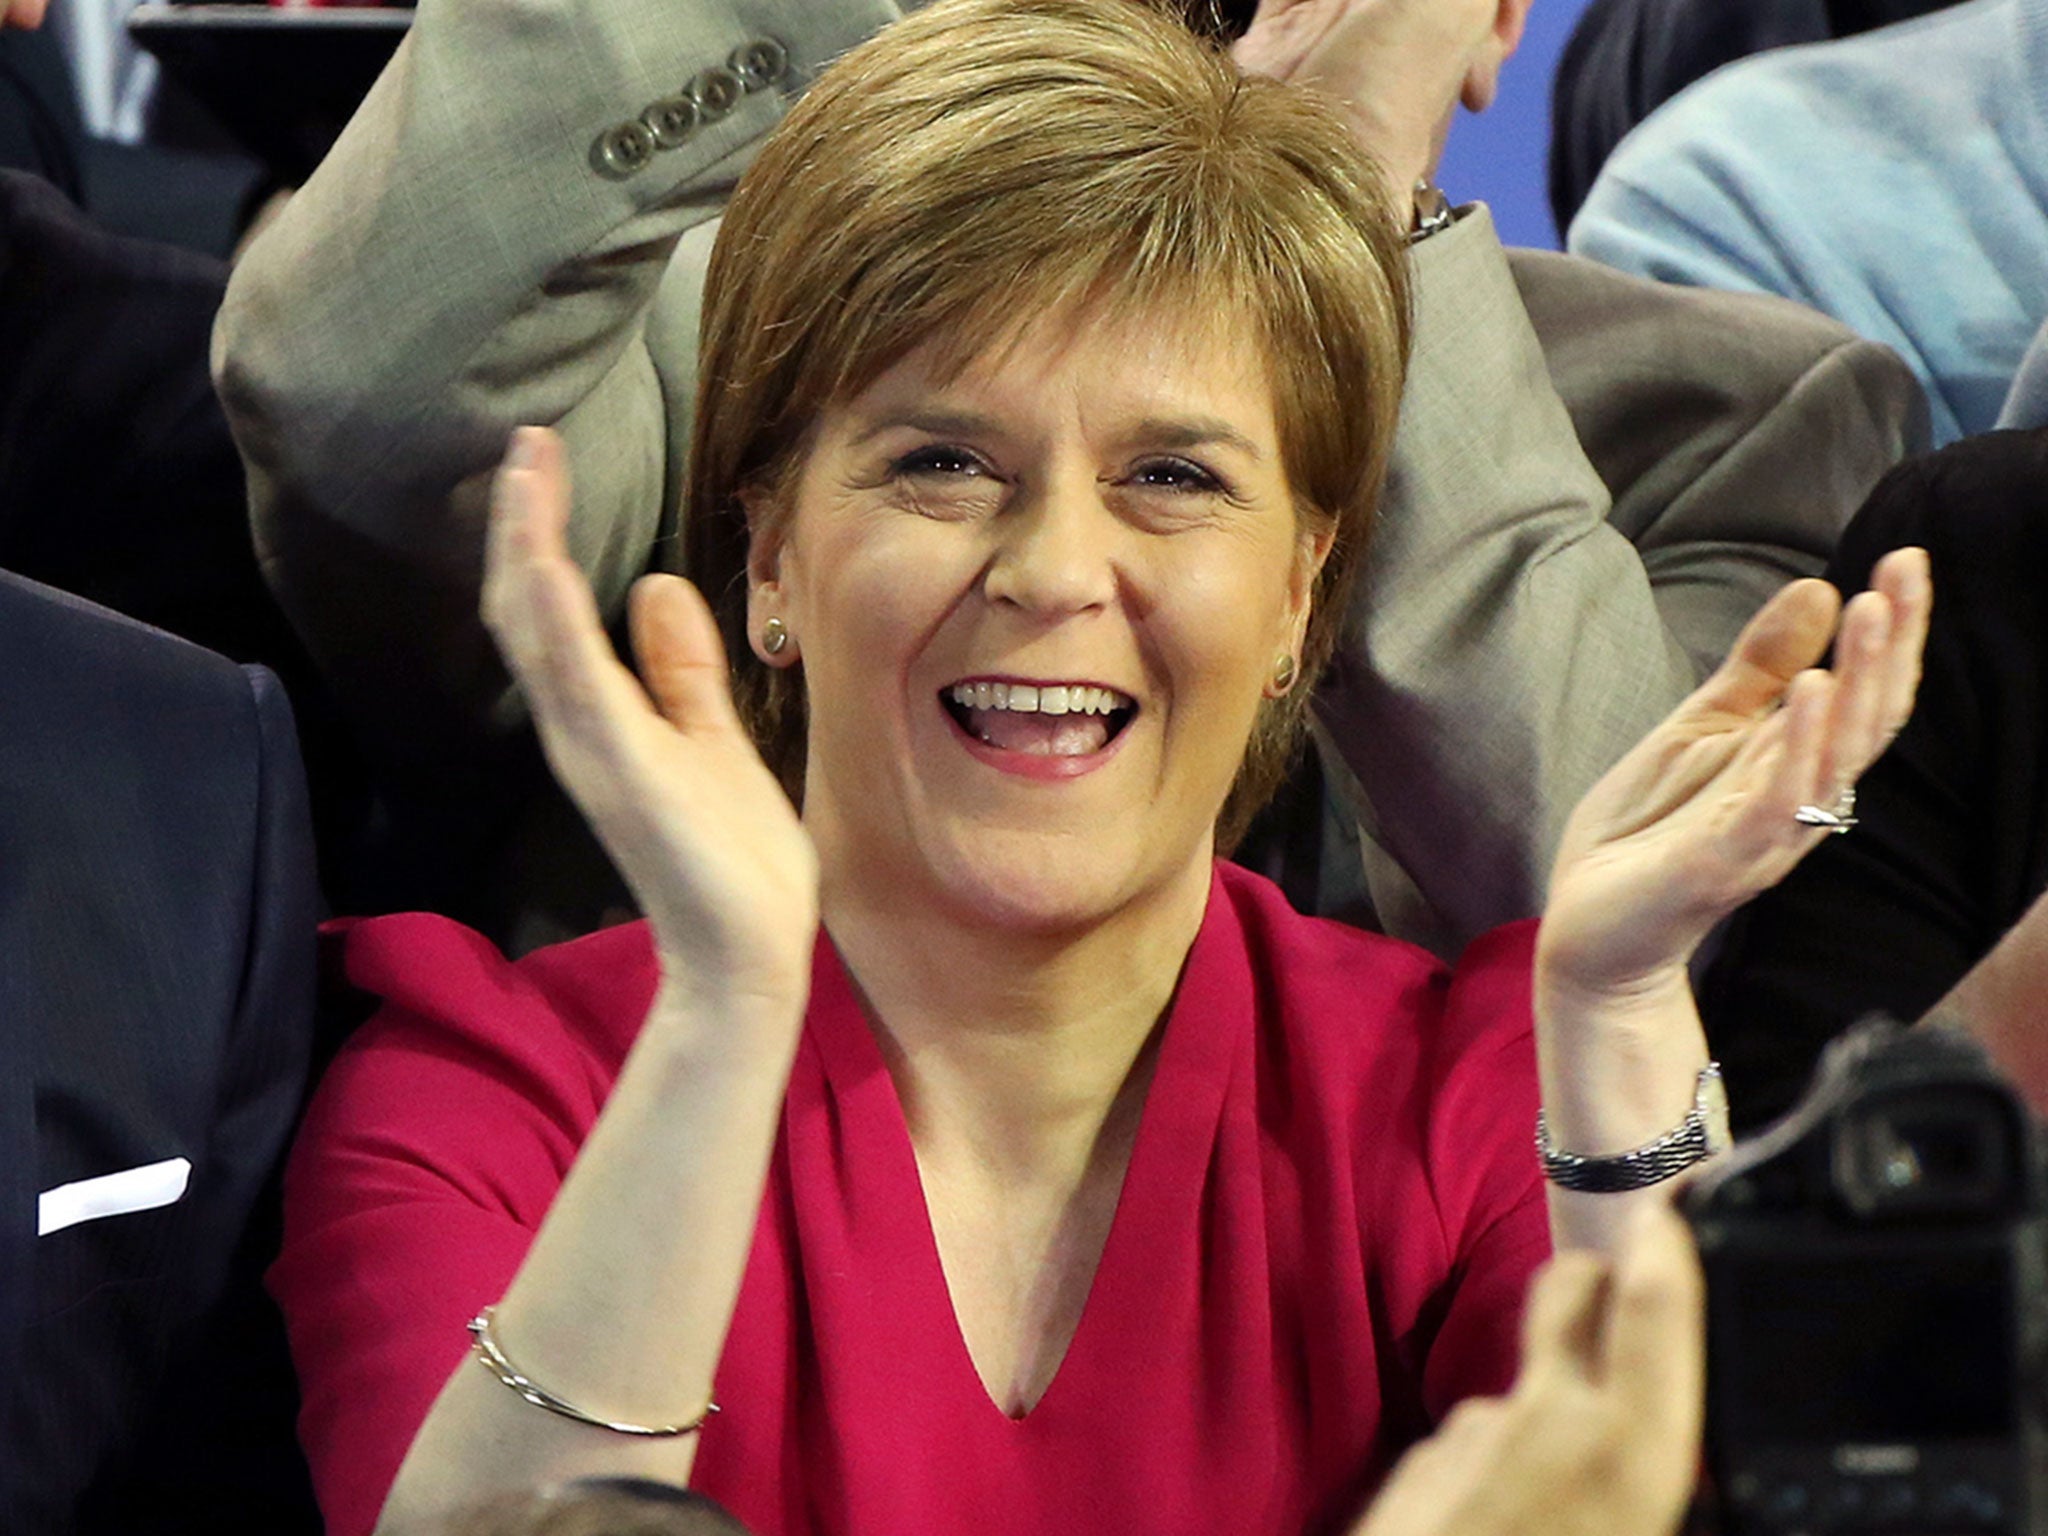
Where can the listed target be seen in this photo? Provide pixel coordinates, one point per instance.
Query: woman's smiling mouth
(1070, 720)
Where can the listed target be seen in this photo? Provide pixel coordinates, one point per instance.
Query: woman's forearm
(1618, 1071)
(624, 1300)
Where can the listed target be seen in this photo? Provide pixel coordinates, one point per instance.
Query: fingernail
(505, 484)
(525, 448)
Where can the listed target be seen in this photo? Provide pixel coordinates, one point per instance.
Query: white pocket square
(112, 1194)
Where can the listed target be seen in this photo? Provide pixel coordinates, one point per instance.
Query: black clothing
(40, 130)
(157, 910)
(119, 482)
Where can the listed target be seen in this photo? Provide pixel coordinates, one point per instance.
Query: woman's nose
(1055, 549)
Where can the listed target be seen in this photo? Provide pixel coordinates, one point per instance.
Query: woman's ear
(1311, 548)
(768, 628)
(1311, 551)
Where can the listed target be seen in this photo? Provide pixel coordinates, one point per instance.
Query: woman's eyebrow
(933, 423)
(1172, 432)
(1161, 432)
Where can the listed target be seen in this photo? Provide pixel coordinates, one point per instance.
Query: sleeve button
(716, 92)
(671, 120)
(761, 63)
(622, 150)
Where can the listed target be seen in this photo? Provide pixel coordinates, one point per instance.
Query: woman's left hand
(1700, 816)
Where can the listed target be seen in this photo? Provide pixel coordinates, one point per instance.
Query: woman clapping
(989, 1153)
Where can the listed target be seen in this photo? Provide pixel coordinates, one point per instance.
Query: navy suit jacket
(157, 918)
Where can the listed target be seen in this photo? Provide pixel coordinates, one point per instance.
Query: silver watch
(1433, 211)
(1701, 1134)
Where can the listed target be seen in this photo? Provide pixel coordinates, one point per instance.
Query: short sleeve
(427, 1160)
(1484, 1176)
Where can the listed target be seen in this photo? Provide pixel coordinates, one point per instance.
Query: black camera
(1875, 1303)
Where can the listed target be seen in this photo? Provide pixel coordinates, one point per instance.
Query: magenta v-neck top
(1331, 1213)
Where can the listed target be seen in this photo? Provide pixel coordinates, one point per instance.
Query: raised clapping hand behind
(1398, 67)
(666, 773)
(1698, 818)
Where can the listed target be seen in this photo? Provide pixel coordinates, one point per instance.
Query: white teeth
(1028, 698)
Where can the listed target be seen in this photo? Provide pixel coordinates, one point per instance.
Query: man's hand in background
(1399, 68)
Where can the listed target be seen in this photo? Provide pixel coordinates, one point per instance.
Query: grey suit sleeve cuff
(461, 264)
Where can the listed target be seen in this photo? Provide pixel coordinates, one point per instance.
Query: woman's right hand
(666, 773)
(626, 1294)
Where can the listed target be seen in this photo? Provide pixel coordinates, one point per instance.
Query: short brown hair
(986, 159)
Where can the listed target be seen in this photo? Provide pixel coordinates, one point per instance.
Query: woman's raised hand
(625, 1297)
(1702, 814)
(666, 774)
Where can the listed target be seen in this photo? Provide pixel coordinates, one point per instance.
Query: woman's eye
(938, 461)
(1178, 475)
(944, 482)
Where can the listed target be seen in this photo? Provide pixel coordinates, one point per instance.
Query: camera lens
(1924, 1155)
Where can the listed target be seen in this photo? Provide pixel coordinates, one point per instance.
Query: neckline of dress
(1162, 1187)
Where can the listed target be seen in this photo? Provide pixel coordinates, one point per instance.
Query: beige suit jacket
(473, 256)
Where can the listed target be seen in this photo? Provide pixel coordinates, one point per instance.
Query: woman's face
(1037, 606)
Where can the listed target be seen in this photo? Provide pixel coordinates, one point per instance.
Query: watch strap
(1701, 1134)
(1433, 211)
